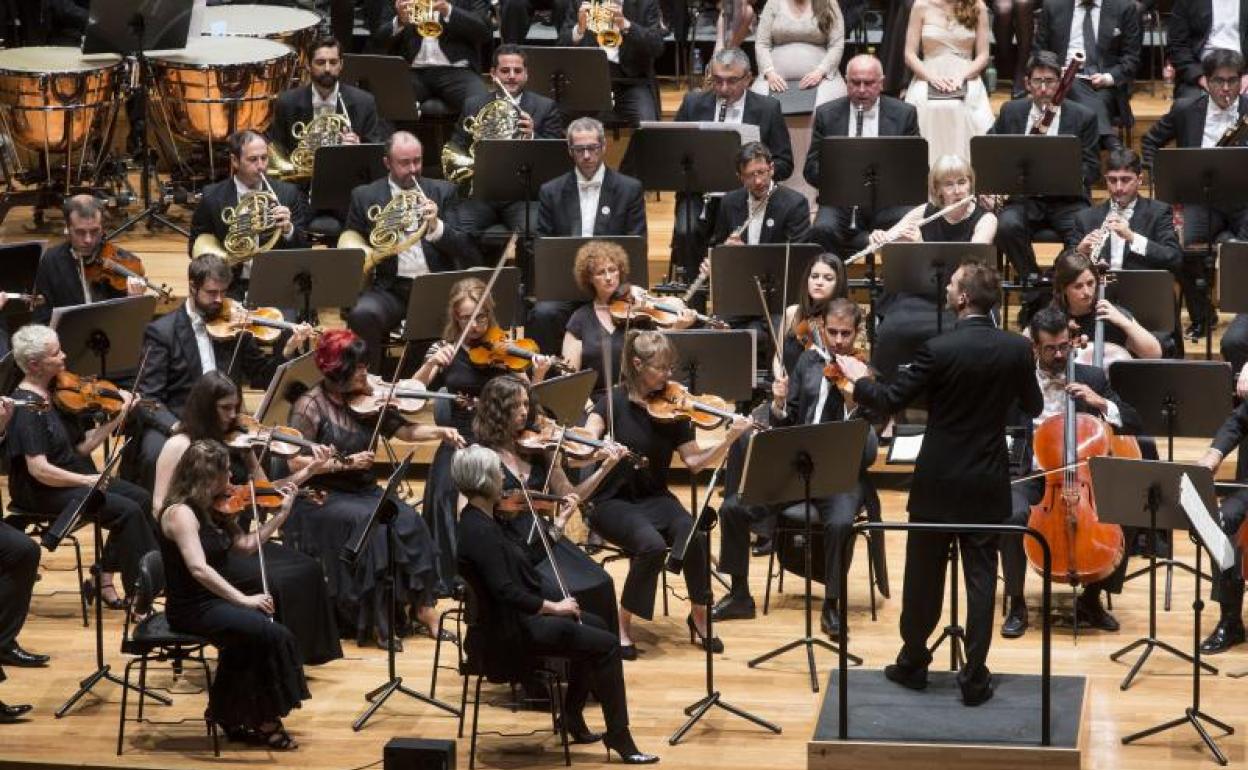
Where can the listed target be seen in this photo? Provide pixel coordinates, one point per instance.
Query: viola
(832, 370)
(674, 403)
(84, 395)
(1084, 550)
(546, 434)
(648, 308)
(110, 266)
(410, 396)
(266, 324)
(513, 501)
(280, 440)
(497, 349)
(238, 498)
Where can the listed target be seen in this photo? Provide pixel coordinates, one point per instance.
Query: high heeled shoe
(88, 590)
(695, 637)
(623, 745)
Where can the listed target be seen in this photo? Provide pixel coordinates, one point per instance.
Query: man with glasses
(591, 199)
(1197, 28)
(1200, 121)
(1022, 217)
(729, 101)
(862, 113)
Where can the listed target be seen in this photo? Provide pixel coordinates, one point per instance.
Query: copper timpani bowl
(53, 99)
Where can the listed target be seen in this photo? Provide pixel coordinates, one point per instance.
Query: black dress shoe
(14, 655)
(628, 652)
(763, 546)
(12, 713)
(1092, 613)
(974, 696)
(1015, 624)
(733, 607)
(830, 622)
(913, 678)
(1228, 633)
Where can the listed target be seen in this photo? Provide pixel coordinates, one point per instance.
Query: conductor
(970, 377)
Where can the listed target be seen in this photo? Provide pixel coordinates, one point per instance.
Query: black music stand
(90, 506)
(872, 173)
(1147, 493)
(388, 79)
(339, 169)
(554, 257)
(306, 278)
(801, 463)
(103, 337)
(132, 28)
(292, 379)
(578, 79)
(924, 269)
(687, 160)
(719, 361)
(1232, 276)
(734, 268)
(1173, 398)
(565, 397)
(1206, 175)
(383, 516)
(426, 305)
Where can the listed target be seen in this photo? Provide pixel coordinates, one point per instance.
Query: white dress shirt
(1217, 120)
(1053, 389)
(326, 106)
(431, 53)
(1077, 43)
(411, 261)
(207, 357)
(1224, 31)
(870, 120)
(1118, 247)
(735, 110)
(1034, 116)
(589, 190)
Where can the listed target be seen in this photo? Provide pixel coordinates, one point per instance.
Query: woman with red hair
(322, 529)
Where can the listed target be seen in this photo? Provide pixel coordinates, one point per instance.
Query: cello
(1084, 550)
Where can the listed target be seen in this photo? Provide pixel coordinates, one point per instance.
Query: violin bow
(129, 409)
(784, 291)
(546, 545)
(391, 387)
(771, 327)
(554, 463)
(508, 253)
(255, 517)
(607, 378)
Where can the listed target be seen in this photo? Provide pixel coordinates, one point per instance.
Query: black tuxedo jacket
(805, 381)
(621, 208)
(1118, 36)
(761, 111)
(897, 118)
(1184, 125)
(1188, 28)
(56, 280)
(173, 363)
(464, 35)
(787, 217)
(453, 251)
(642, 45)
(547, 120)
(1151, 219)
(1075, 120)
(972, 376)
(218, 196)
(1097, 380)
(295, 106)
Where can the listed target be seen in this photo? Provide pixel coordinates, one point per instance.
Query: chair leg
(663, 575)
(121, 723)
(437, 656)
(142, 684)
(476, 713)
(771, 565)
(870, 574)
(463, 704)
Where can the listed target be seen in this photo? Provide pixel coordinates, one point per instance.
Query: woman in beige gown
(801, 40)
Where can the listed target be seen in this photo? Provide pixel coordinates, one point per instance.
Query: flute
(754, 211)
(924, 221)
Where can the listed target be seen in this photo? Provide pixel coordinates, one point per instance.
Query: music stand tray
(578, 79)
(111, 28)
(554, 257)
(103, 337)
(733, 269)
(339, 169)
(514, 169)
(1212, 176)
(306, 278)
(924, 268)
(426, 305)
(719, 361)
(388, 79)
(1175, 398)
(1233, 276)
(292, 379)
(1027, 165)
(565, 397)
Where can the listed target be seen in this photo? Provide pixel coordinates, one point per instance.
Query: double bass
(1084, 550)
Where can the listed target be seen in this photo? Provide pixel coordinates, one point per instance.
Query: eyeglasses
(1061, 347)
(585, 149)
(663, 369)
(1043, 82)
(732, 81)
(1223, 82)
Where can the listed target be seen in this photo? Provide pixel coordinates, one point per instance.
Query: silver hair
(587, 124)
(477, 471)
(731, 57)
(30, 343)
(400, 136)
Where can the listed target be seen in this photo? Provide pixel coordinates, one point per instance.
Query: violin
(832, 370)
(280, 440)
(648, 308)
(546, 434)
(514, 501)
(266, 324)
(110, 266)
(410, 396)
(674, 403)
(238, 498)
(497, 349)
(86, 395)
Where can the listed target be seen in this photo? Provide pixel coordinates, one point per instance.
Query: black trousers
(1102, 101)
(634, 100)
(1018, 221)
(126, 514)
(1199, 225)
(19, 564)
(1228, 589)
(596, 665)
(453, 85)
(547, 322)
(1014, 559)
(645, 528)
(516, 16)
(835, 227)
(923, 598)
(376, 313)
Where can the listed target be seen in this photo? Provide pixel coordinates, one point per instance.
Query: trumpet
(253, 228)
(397, 226)
(602, 24)
(421, 14)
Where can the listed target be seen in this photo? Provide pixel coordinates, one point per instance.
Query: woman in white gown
(947, 50)
(800, 40)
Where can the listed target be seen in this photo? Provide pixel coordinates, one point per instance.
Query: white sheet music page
(1210, 533)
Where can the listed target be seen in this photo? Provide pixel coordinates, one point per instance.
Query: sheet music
(1215, 540)
(747, 131)
(905, 449)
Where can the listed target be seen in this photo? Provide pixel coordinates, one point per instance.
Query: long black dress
(259, 676)
(584, 578)
(321, 530)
